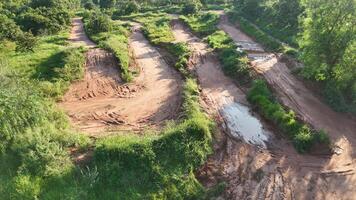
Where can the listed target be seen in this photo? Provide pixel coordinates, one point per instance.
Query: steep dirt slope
(101, 102)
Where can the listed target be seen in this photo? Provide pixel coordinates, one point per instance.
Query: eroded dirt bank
(277, 172)
(102, 102)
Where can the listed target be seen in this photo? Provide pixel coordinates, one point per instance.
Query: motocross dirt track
(277, 172)
(101, 102)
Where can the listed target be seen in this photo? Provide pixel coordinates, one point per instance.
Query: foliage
(192, 7)
(278, 18)
(202, 23)
(235, 64)
(34, 136)
(303, 137)
(97, 23)
(328, 46)
(9, 30)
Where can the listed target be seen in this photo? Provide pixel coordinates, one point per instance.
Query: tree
(192, 7)
(107, 3)
(98, 23)
(329, 27)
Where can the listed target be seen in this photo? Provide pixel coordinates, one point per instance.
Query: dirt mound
(101, 79)
(101, 102)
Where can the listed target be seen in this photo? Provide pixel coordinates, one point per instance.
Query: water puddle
(243, 125)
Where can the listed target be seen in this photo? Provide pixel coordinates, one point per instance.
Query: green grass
(235, 64)
(182, 52)
(156, 28)
(302, 136)
(53, 63)
(117, 41)
(202, 23)
(261, 37)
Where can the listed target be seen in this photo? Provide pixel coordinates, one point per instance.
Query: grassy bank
(154, 167)
(35, 135)
(235, 63)
(202, 24)
(53, 63)
(303, 137)
(261, 37)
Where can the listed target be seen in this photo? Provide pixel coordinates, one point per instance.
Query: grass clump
(202, 23)
(182, 52)
(235, 63)
(303, 137)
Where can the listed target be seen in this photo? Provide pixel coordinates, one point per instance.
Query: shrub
(303, 137)
(98, 23)
(192, 7)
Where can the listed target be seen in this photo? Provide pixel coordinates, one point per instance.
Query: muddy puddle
(242, 124)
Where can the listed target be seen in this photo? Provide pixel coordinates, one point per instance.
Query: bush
(98, 23)
(303, 137)
(192, 7)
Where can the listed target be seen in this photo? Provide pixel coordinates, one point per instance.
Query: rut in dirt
(102, 102)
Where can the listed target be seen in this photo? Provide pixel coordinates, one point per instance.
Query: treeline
(324, 32)
(22, 20)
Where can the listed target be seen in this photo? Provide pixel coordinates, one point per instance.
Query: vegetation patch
(260, 36)
(114, 38)
(235, 63)
(202, 23)
(302, 136)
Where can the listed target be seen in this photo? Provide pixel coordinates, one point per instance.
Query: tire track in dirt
(286, 174)
(101, 102)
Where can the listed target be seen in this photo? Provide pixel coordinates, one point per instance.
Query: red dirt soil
(277, 172)
(101, 102)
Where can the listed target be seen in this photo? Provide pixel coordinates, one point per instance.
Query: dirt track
(102, 102)
(277, 172)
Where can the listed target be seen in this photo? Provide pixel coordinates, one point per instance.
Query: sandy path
(78, 36)
(101, 102)
(279, 172)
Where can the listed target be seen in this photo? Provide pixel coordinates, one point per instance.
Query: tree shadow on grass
(47, 69)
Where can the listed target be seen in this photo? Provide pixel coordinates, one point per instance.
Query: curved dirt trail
(101, 102)
(280, 172)
(78, 36)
